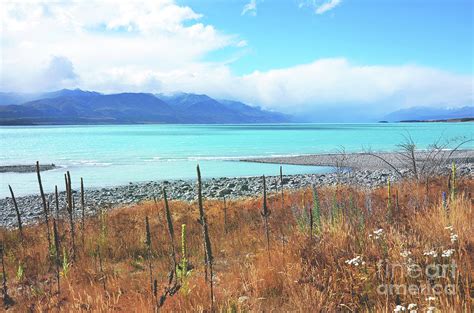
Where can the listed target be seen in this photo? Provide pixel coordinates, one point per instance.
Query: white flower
(431, 298)
(447, 253)
(355, 261)
(399, 308)
(450, 228)
(376, 233)
(412, 306)
(432, 253)
(430, 309)
(405, 253)
(453, 237)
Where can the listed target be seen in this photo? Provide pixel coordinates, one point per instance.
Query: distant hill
(86, 107)
(430, 114)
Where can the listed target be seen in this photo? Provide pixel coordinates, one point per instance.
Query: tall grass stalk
(265, 215)
(316, 209)
(70, 210)
(45, 208)
(453, 182)
(18, 215)
(148, 251)
(7, 300)
(57, 254)
(83, 209)
(169, 222)
(209, 260)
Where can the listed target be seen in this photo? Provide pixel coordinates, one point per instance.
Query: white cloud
(327, 6)
(159, 46)
(101, 36)
(250, 8)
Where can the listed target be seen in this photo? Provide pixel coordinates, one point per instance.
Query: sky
(303, 57)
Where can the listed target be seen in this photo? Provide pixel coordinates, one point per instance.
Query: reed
(57, 248)
(281, 188)
(83, 209)
(45, 208)
(209, 260)
(316, 209)
(7, 300)
(225, 215)
(148, 251)
(453, 182)
(265, 215)
(70, 210)
(173, 285)
(18, 215)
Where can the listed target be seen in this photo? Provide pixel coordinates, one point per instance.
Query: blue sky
(281, 34)
(304, 57)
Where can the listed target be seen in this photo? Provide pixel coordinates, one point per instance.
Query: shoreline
(362, 160)
(26, 168)
(357, 169)
(213, 188)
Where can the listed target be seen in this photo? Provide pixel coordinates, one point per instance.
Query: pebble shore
(215, 188)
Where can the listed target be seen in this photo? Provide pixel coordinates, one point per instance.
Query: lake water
(119, 154)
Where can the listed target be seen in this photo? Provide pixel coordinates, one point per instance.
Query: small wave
(90, 163)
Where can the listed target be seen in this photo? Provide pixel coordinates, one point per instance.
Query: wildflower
(399, 308)
(432, 253)
(430, 298)
(405, 253)
(376, 233)
(355, 261)
(412, 307)
(453, 237)
(430, 309)
(450, 228)
(447, 253)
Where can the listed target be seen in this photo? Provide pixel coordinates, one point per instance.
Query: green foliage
(20, 273)
(316, 209)
(453, 182)
(65, 265)
(182, 271)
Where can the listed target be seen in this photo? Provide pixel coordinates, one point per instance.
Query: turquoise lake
(119, 154)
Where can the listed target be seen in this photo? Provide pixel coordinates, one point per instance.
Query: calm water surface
(119, 154)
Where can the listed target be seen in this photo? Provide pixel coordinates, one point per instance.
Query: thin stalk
(58, 259)
(83, 211)
(207, 241)
(45, 208)
(265, 214)
(169, 222)
(148, 249)
(18, 215)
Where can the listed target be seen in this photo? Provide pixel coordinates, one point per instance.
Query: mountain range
(430, 114)
(87, 107)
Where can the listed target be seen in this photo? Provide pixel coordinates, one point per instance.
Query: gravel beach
(358, 169)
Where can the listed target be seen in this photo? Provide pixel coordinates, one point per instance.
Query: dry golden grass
(302, 274)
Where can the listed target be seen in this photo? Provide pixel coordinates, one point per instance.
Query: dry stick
(58, 259)
(7, 300)
(207, 242)
(148, 250)
(173, 285)
(101, 269)
(265, 214)
(83, 211)
(56, 195)
(169, 222)
(20, 226)
(225, 216)
(281, 187)
(69, 208)
(45, 208)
